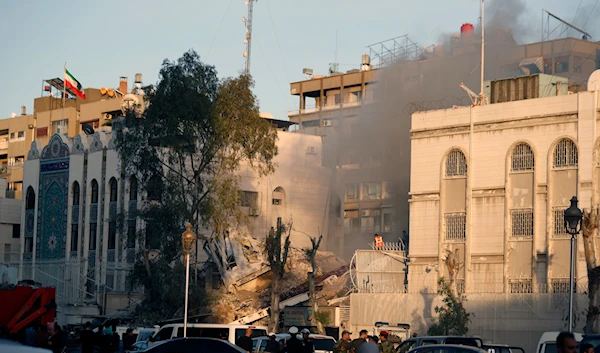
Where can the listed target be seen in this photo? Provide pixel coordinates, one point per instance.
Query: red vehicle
(25, 303)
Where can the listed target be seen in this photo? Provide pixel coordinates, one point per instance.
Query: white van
(322, 343)
(231, 332)
(547, 342)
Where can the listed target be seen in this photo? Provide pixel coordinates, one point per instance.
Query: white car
(323, 344)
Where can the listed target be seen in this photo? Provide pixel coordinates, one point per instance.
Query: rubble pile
(331, 273)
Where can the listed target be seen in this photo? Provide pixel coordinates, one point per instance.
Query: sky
(105, 39)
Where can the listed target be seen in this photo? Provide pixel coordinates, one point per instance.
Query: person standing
(308, 346)
(363, 335)
(54, 339)
(566, 343)
(115, 340)
(344, 345)
(370, 346)
(128, 340)
(41, 338)
(385, 346)
(586, 348)
(87, 339)
(272, 344)
(245, 342)
(293, 345)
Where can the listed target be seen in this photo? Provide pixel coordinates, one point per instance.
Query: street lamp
(573, 217)
(188, 239)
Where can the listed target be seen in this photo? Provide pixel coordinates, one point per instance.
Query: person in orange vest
(378, 241)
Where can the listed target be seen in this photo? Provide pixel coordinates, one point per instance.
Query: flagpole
(64, 97)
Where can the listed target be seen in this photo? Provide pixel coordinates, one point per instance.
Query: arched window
(133, 188)
(94, 191)
(565, 154)
(278, 196)
(30, 199)
(522, 158)
(155, 188)
(75, 194)
(456, 164)
(113, 189)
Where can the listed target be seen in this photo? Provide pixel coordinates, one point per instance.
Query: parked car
(138, 346)
(447, 348)
(16, 347)
(232, 332)
(593, 339)
(194, 345)
(415, 342)
(547, 342)
(502, 348)
(323, 344)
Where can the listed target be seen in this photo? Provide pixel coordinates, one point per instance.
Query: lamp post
(573, 217)
(188, 239)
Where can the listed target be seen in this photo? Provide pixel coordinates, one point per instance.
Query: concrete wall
(517, 320)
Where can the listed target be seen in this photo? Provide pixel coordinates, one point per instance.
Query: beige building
(365, 116)
(48, 118)
(495, 198)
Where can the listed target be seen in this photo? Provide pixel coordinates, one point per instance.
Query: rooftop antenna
(248, 41)
(482, 98)
(546, 34)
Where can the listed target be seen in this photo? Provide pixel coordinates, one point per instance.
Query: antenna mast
(482, 97)
(248, 40)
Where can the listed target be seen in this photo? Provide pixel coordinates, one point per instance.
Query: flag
(72, 83)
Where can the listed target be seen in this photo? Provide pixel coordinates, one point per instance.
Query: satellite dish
(13, 115)
(88, 129)
(131, 101)
(111, 93)
(102, 91)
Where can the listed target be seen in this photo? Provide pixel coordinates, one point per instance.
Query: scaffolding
(389, 51)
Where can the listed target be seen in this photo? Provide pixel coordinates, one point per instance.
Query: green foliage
(453, 318)
(323, 317)
(277, 253)
(184, 149)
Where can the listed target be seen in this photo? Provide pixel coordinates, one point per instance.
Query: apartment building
(364, 115)
(48, 118)
(496, 198)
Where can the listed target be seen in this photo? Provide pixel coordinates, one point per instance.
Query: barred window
(558, 216)
(522, 158)
(455, 225)
(560, 285)
(460, 286)
(520, 286)
(522, 223)
(565, 154)
(456, 164)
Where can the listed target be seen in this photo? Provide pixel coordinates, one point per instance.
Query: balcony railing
(324, 108)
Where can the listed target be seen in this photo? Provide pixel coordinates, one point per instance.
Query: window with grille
(460, 286)
(456, 164)
(560, 285)
(565, 154)
(522, 158)
(521, 286)
(522, 223)
(455, 225)
(558, 215)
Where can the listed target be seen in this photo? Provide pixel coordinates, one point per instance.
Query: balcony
(311, 110)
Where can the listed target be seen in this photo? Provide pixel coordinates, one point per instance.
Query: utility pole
(248, 41)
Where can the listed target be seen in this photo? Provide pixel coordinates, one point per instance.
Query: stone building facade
(495, 198)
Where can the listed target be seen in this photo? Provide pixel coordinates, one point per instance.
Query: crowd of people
(364, 343)
(292, 345)
(54, 338)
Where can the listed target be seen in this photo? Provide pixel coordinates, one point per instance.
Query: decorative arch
(76, 193)
(278, 196)
(455, 164)
(78, 147)
(97, 144)
(113, 187)
(564, 154)
(133, 188)
(522, 158)
(34, 152)
(56, 148)
(94, 189)
(30, 199)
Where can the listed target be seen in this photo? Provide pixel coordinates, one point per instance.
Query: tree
(311, 255)
(589, 227)
(277, 255)
(453, 317)
(185, 147)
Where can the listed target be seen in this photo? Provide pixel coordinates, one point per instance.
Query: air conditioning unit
(366, 213)
(327, 122)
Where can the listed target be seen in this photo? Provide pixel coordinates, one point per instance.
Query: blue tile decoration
(27, 256)
(29, 222)
(56, 148)
(52, 216)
